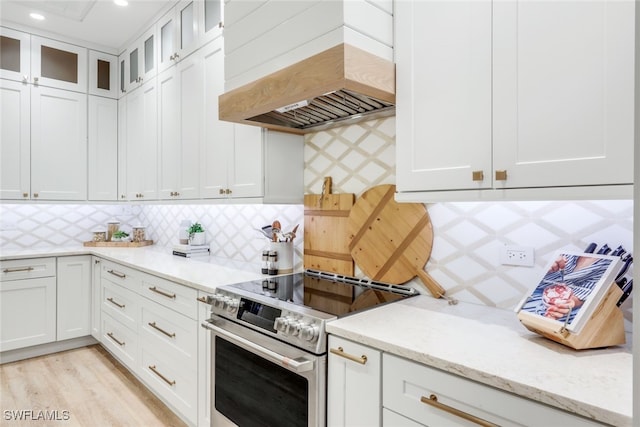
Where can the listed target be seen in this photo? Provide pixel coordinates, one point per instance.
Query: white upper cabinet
(58, 144)
(142, 142)
(516, 95)
(103, 75)
(179, 33)
(15, 50)
(103, 149)
(15, 134)
(59, 65)
(141, 60)
(211, 20)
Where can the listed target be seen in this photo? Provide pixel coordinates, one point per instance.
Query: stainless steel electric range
(269, 344)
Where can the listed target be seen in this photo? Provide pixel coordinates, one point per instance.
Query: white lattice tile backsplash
(464, 258)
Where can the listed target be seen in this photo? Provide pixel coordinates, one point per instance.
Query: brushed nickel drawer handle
(155, 371)
(157, 328)
(17, 270)
(340, 352)
(110, 335)
(115, 303)
(117, 274)
(202, 299)
(433, 401)
(164, 294)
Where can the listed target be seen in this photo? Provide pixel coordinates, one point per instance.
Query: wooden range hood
(338, 86)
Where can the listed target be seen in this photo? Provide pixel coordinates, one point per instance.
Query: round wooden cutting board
(391, 242)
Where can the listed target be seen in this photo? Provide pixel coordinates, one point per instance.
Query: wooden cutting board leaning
(326, 236)
(391, 242)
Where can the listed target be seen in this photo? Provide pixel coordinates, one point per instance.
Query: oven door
(260, 381)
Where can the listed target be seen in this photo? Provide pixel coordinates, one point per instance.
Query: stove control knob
(218, 300)
(280, 324)
(293, 327)
(309, 332)
(232, 305)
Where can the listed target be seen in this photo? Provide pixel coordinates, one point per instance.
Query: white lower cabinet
(151, 325)
(27, 303)
(431, 397)
(73, 297)
(353, 384)
(204, 361)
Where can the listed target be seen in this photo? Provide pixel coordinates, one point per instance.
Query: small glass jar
(138, 234)
(99, 236)
(265, 262)
(112, 227)
(272, 263)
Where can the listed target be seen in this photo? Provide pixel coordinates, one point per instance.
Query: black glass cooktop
(332, 294)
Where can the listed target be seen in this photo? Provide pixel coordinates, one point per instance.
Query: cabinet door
(15, 134)
(167, 49)
(187, 17)
(123, 74)
(217, 138)
(443, 122)
(204, 361)
(190, 115)
(59, 65)
(246, 173)
(353, 384)
(210, 19)
(563, 93)
(122, 148)
(96, 298)
(168, 134)
(103, 75)
(103, 148)
(27, 312)
(74, 297)
(58, 144)
(142, 142)
(15, 51)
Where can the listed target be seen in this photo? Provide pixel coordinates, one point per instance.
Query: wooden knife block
(604, 328)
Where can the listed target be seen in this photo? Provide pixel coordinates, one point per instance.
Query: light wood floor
(88, 382)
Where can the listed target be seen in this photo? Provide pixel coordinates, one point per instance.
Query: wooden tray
(119, 244)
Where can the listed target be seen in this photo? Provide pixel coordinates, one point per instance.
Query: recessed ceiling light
(36, 16)
(121, 2)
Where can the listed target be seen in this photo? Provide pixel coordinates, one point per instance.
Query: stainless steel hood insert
(341, 84)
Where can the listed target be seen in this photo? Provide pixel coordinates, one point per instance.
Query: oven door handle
(294, 365)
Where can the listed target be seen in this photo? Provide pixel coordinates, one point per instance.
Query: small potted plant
(119, 236)
(196, 234)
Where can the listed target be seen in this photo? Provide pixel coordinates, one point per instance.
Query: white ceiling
(98, 22)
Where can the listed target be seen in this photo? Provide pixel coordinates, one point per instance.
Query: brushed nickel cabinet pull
(202, 299)
(221, 191)
(157, 328)
(501, 175)
(25, 195)
(477, 175)
(433, 401)
(115, 303)
(117, 274)
(164, 294)
(17, 270)
(340, 352)
(36, 195)
(155, 371)
(110, 335)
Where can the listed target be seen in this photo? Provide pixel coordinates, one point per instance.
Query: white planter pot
(196, 239)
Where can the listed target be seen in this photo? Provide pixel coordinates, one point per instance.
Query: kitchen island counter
(490, 346)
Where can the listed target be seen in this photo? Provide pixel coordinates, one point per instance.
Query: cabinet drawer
(121, 341)
(172, 295)
(121, 275)
(405, 383)
(173, 332)
(27, 268)
(120, 303)
(171, 379)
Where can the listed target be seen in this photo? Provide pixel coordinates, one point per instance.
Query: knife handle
(592, 247)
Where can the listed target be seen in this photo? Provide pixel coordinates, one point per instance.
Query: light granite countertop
(490, 346)
(477, 342)
(202, 273)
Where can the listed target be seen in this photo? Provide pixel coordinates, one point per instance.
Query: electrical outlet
(516, 255)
